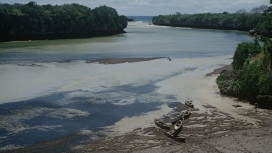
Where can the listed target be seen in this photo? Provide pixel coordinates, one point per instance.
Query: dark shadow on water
(142, 89)
(50, 120)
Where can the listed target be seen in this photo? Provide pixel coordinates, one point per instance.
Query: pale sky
(160, 7)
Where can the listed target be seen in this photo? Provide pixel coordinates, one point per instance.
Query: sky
(160, 7)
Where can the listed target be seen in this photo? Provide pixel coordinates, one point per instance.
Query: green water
(141, 40)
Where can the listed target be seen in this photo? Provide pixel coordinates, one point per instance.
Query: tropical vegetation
(251, 77)
(33, 21)
(258, 18)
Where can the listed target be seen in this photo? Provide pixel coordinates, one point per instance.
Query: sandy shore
(214, 126)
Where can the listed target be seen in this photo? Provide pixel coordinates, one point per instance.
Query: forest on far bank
(258, 19)
(32, 21)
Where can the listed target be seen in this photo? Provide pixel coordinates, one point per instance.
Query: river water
(48, 90)
(140, 40)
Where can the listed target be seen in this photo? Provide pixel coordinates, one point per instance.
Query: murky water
(47, 90)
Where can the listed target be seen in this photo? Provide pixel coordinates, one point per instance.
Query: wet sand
(214, 126)
(243, 130)
(212, 131)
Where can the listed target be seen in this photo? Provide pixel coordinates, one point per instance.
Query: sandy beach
(215, 125)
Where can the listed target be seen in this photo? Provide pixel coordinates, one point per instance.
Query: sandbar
(122, 60)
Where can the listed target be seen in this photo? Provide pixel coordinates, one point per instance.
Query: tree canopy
(33, 21)
(251, 77)
(257, 18)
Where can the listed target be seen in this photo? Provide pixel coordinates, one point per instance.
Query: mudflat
(215, 125)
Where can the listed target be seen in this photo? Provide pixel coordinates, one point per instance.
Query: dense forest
(258, 18)
(31, 21)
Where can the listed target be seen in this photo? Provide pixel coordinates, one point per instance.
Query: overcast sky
(160, 7)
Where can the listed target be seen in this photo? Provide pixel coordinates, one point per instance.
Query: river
(49, 90)
(140, 40)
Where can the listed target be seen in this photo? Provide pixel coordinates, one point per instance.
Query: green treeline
(259, 18)
(32, 21)
(251, 77)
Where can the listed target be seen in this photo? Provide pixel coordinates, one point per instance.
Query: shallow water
(63, 95)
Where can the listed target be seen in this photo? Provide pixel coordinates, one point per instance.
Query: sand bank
(122, 60)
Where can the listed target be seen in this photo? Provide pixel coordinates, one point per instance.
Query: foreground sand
(214, 126)
(212, 131)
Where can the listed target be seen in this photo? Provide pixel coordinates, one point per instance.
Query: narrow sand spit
(214, 125)
(122, 60)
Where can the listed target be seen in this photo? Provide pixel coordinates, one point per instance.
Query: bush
(251, 77)
(244, 51)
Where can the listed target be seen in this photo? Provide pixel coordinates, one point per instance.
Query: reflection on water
(141, 40)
